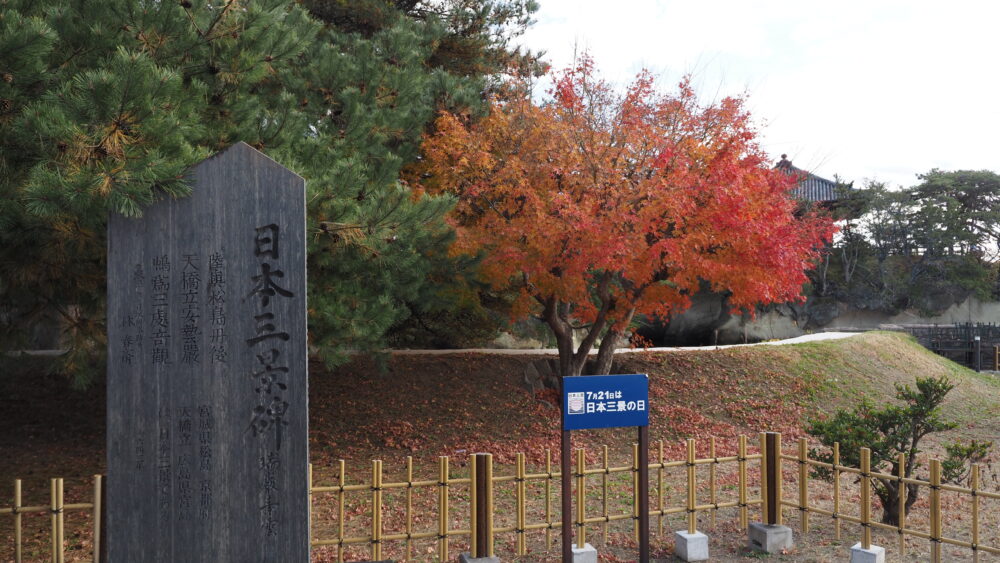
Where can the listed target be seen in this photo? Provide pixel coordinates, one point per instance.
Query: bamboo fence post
(581, 498)
(481, 485)
(974, 485)
(659, 490)
(692, 515)
(98, 493)
(763, 479)
(778, 478)
(935, 511)
(548, 498)
(713, 498)
(836, 490)
(741, 462)
(340, 513)
(474, 500)
(771, 448)
(309, 476)
(489, 505)
(521, 547)
(901, 507)
(443, 508)
(376, 510)
(62, 522)
(409, 507)
(635, 491)
(604, 495)
(803, 485)
(866, 499)
(17, 521)
(55, 525)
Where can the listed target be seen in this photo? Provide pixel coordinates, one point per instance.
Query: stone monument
(207, 385)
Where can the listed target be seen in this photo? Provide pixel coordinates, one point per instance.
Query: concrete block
(769, 538)
(466, 558)
(874, 554)
(586, 554)
(691, 547)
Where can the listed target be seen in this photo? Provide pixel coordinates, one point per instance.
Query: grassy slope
(436, 405)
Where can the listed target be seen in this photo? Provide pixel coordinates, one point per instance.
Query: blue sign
(605, 401)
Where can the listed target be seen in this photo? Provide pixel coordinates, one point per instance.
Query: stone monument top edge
(242, 149)
(233, 152)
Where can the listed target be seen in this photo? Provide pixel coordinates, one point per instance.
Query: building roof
(810, 187)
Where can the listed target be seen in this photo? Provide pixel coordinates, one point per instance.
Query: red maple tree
(595, 206)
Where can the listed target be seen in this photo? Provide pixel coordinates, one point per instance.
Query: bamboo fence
(57, 510)
(935, 533)
(477, 525)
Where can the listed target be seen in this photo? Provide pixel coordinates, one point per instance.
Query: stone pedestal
(586, 554)
(873, 554)
(467, 558)
(691, 547)
(769, 538)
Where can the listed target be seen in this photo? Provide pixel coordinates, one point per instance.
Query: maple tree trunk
(557, 315)
(612, 339)
(606, 352)
(570, 363)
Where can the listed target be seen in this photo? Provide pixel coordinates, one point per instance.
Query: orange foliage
(597, 205)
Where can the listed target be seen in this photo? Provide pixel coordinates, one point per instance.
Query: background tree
(926, 247)
(848, 243)
(595, 206)
(104, 105)
(958, 212)
(893, 430)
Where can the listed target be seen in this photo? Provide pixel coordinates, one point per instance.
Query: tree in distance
(595, 206)
(925, 247)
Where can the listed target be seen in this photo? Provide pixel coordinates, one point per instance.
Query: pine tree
(405, 61)
(104, 105)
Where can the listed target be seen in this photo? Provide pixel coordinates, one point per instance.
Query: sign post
(605, 401)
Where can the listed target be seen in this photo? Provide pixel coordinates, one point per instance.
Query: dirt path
(543, 351)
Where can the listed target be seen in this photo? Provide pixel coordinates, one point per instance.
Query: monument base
(585, 554)
(467, 558)
(873, 554)
(769, 538)
(691, 547)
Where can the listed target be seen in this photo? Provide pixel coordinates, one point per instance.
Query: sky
(880, 90)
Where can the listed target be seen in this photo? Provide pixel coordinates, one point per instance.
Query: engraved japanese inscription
(207, 385)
